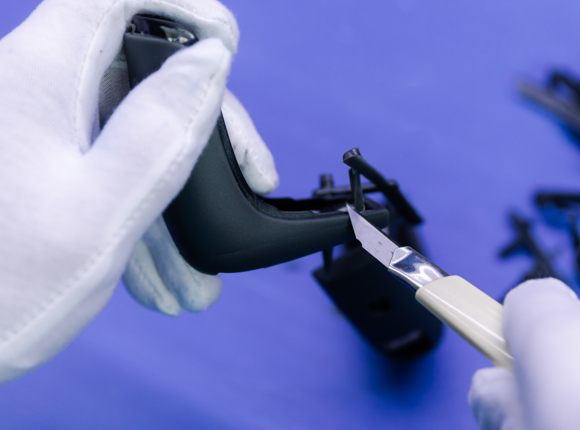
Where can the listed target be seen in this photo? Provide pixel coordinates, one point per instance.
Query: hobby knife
(467, 310)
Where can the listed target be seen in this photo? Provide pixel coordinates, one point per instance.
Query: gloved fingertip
(540, 287)
(142, 281)
(165, 304)
(212, 48)
(532, 305)
(494, 400)
(262, 180)
(212, 292)
(487, 381)
(169, 308)
(202, 293)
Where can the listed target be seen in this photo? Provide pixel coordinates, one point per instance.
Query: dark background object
(560, 96)
(561, 200)
(525, 242)
(562, 209)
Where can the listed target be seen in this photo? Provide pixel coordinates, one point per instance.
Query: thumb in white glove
(542, 329)
(71, 213)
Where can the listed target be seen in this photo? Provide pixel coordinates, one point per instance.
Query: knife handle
(469, 312)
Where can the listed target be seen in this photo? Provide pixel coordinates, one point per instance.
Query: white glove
(74, 206)
(542, 328)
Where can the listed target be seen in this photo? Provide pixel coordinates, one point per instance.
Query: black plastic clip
(526, 243)
(389, 188)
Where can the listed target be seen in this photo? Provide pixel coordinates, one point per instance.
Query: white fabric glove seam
(84, 70)
(125, 227)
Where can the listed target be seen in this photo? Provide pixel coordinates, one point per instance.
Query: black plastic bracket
(382, 309)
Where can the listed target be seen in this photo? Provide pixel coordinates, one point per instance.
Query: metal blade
(373, 240)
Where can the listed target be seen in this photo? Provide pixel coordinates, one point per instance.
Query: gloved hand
(542, 328)
(75, 202)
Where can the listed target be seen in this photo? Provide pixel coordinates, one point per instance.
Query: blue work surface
(426, 90)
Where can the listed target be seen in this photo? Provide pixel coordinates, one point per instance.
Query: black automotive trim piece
(217, 222)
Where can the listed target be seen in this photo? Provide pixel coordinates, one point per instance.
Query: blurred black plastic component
(557, 199)
(524, 242)
(568, 206)
(575, 236)
(560, 95)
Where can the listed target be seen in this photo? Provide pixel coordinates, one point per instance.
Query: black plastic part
(357, 191)
(560, 200)
(334, 191)
(573, 228)
(568, 204)
(217, 222)
(326, 182)
(389, 188)
(560, 96)
(382, 309)
(524, 242)
(160, 28)
(560, 79)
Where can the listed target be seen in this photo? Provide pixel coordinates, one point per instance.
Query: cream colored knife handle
(471, 313)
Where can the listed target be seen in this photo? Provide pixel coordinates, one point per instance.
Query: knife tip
(354, 217)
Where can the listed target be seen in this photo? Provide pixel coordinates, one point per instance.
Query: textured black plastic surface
(217, 222)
